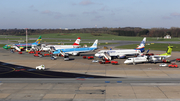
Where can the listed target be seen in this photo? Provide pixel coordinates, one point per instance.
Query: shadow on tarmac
(8, 70)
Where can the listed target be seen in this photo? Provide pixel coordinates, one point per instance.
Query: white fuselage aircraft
(150, 58)
(77, 51)
(124, 52)
(56, 47)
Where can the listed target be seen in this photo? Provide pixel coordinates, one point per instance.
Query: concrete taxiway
(84, 80)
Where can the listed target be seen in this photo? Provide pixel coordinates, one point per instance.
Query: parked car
(163, 65)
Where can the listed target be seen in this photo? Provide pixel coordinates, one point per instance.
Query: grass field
(1, 45)
(155, 46)
(89, 36)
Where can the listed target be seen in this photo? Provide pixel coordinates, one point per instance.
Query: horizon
(55, 14)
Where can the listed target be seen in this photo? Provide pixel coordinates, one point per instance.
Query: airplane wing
(157, 56)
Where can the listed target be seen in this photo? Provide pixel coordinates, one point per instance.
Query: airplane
(21, 46)
(56, 47)
(77, 51)
(124, 52)
(150, 58)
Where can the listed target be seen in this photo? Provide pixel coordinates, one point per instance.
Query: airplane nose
(5, 47)
(125, 61)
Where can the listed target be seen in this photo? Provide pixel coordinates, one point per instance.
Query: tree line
(126, 31)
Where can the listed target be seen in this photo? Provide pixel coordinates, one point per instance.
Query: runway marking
(81, 79)
(41, 74)
(107, 81)
(119, 81)
(8, 71)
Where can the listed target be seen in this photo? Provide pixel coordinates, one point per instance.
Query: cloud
(112, 12)
(32, 6)
(166, 17)
(35, 10)
(86, 2)
(47, 12)
(97, 18)
(58, 15)
(72, 15)
(104, 8)
(175, 14)
(92, 12)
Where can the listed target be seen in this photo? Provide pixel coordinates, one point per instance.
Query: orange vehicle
(173, 65)
(90, 57)
(178, 60)
(114, 62)
(105, 62)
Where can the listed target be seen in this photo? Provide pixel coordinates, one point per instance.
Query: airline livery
(38, 41)
(153, 58)
(124, 52)
(77, 51)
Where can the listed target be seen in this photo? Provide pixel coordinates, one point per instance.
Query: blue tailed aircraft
(21, 46)
(77, 51)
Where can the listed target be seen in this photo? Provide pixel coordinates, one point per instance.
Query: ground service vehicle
(31, 52)
(47, 54)
(90, 57)
(95, 60)
(166, 61)
(178, 60)
(163, 65)
(53, 57)
(66, 57)
(173, 65)
(104, 62)
(84, 57)
(37, 55)
(41, 67)
(114, 62)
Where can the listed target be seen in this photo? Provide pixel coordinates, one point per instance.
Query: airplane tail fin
(169, 51)
(77, 42)
(38, 41)
(142, 45)
(94, 44)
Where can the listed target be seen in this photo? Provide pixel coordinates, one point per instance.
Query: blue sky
(88, 13)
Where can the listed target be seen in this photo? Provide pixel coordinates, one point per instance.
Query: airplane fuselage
(118, 53)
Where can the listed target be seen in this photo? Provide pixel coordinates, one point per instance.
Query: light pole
(26, 38)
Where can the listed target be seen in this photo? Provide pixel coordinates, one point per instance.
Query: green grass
(155, 46)
(89, 36)
(12, 38)
(1, 45)
(82, 44)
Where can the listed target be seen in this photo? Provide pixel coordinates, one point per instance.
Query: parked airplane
(56, 47)
(148, 58)
(77, 51)
(21, 46)
(124, 52)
